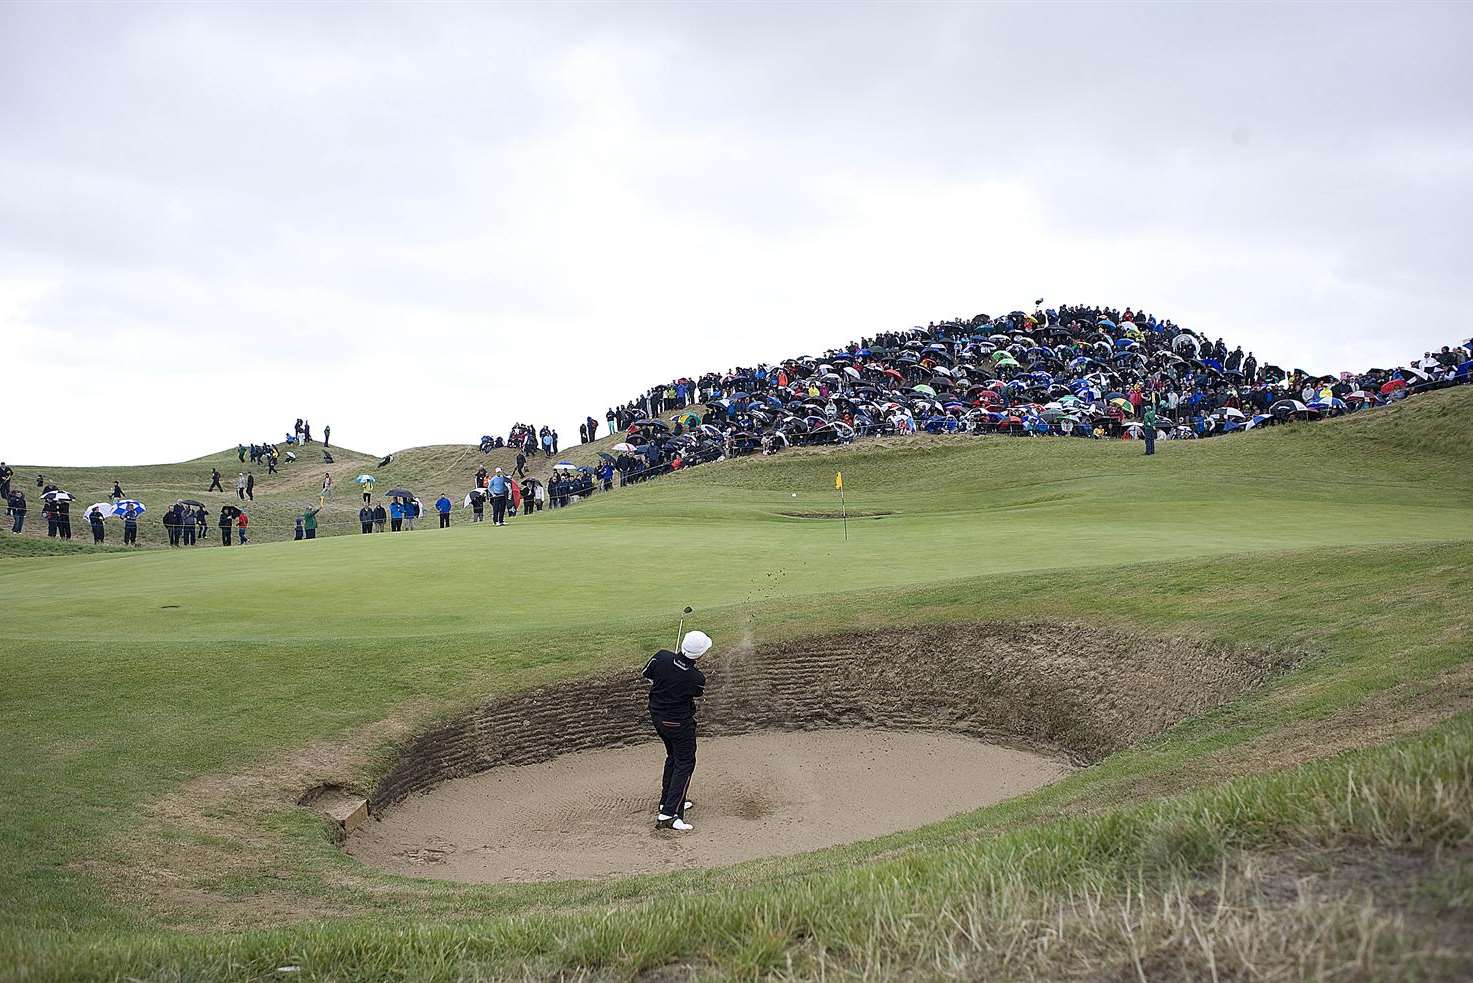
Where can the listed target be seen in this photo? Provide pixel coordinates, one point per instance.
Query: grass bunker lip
(1067, 690)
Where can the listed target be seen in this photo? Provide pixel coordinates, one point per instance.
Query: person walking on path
(327, 436)
(1149, 426)
(17, 504)
(309, 523)
(521, 471)
(368, 488)
(326, 486)
(240, 484)
(365, 519)
(240, 527)
(214, 481)
(675, 683)
(117, 491)
(443, 506)
(240, 452)
(251, 486)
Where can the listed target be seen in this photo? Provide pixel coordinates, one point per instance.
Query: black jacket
(676, 682)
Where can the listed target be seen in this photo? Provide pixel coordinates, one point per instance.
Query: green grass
(130, 675)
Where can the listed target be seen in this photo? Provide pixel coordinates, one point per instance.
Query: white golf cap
(695, 644)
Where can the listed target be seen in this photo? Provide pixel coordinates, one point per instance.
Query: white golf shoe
(672, 822)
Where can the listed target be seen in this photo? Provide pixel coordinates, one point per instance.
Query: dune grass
(1349, 541)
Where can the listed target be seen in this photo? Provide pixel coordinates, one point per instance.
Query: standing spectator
(554, 441)
(365, 518)
(326, 485)
(225, 523)
(411, 512)
(521, 471)
(117, 491)
(215, 480)
(240, 486)
(380, 516)
(592, 429)
(48, 509)
(130, 527)
(309, 523)
(500, 489)
(582, 433)
(171, 525)
(442, 506)
(539, 495)
(368, 489)
(99, 533)
(547, 441)
(251, 486)
(17, 505)
(240, 451)
(327, 436)
(203, 519)
(64, 519)
(186, 525)
(396, 515)
(1149, 426)
(306, 432)
(478, 505)
(240, 527)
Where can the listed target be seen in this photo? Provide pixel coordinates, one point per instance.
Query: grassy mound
(164, 711)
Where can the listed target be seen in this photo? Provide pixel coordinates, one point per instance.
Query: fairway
(165, 710)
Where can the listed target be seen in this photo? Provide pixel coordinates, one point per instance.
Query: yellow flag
(838, 481)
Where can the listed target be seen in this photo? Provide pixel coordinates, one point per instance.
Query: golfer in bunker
(675, 684)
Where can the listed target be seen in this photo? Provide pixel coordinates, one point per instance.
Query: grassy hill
(163, 709)
(279, 498)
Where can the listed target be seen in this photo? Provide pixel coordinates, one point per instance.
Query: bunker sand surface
(591, 815)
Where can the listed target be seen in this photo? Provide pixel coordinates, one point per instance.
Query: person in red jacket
(240, 525)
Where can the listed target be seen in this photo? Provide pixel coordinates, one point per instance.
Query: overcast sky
(422, 223)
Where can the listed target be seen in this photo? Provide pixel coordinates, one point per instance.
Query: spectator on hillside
(396, 515)
(327, 485)
(130, 527)
(306, 432)
(411, 512)
(187, 525)
(99, 532)
(215, 481)
(17, 505)
(117, 491)
(327, 436)
(225, 524)
(240, 486)
(365, 518)
(443, 506)
(380, 516)
(240, 527)
(240, 451)
(478, 504)
(171, 524)
(592, 429)
(309, 523)
(202, 518)
(251, 486)
(64, 519)
(521, 470)
(582, 433)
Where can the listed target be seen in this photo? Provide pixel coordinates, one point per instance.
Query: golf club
(680, 632)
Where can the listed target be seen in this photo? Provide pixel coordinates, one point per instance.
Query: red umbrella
(1393, 386)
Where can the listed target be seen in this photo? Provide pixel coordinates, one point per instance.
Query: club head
(687, 610)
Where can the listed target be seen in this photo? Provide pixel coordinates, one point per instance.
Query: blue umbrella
(122, 507)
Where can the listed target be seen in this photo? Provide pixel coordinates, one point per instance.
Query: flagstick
(844, 511)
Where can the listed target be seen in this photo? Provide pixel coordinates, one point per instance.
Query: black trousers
(224, 535)
(173, 535)
(498, 508)
(367, 526)
(444, 520)
(130, 535)
(395, 525)
(98, 533)
(679, 737)
(215, 485)
(20, 519)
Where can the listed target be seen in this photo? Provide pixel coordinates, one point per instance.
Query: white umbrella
(624, 448)
(1232, 412)
(57, 495)
(106, 508)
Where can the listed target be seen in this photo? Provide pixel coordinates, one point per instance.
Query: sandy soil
(591, 814)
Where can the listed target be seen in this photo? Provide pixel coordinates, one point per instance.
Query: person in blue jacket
(500, 489)
(443, 506)
(396, 516)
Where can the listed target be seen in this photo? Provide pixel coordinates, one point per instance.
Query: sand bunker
(591, 814)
